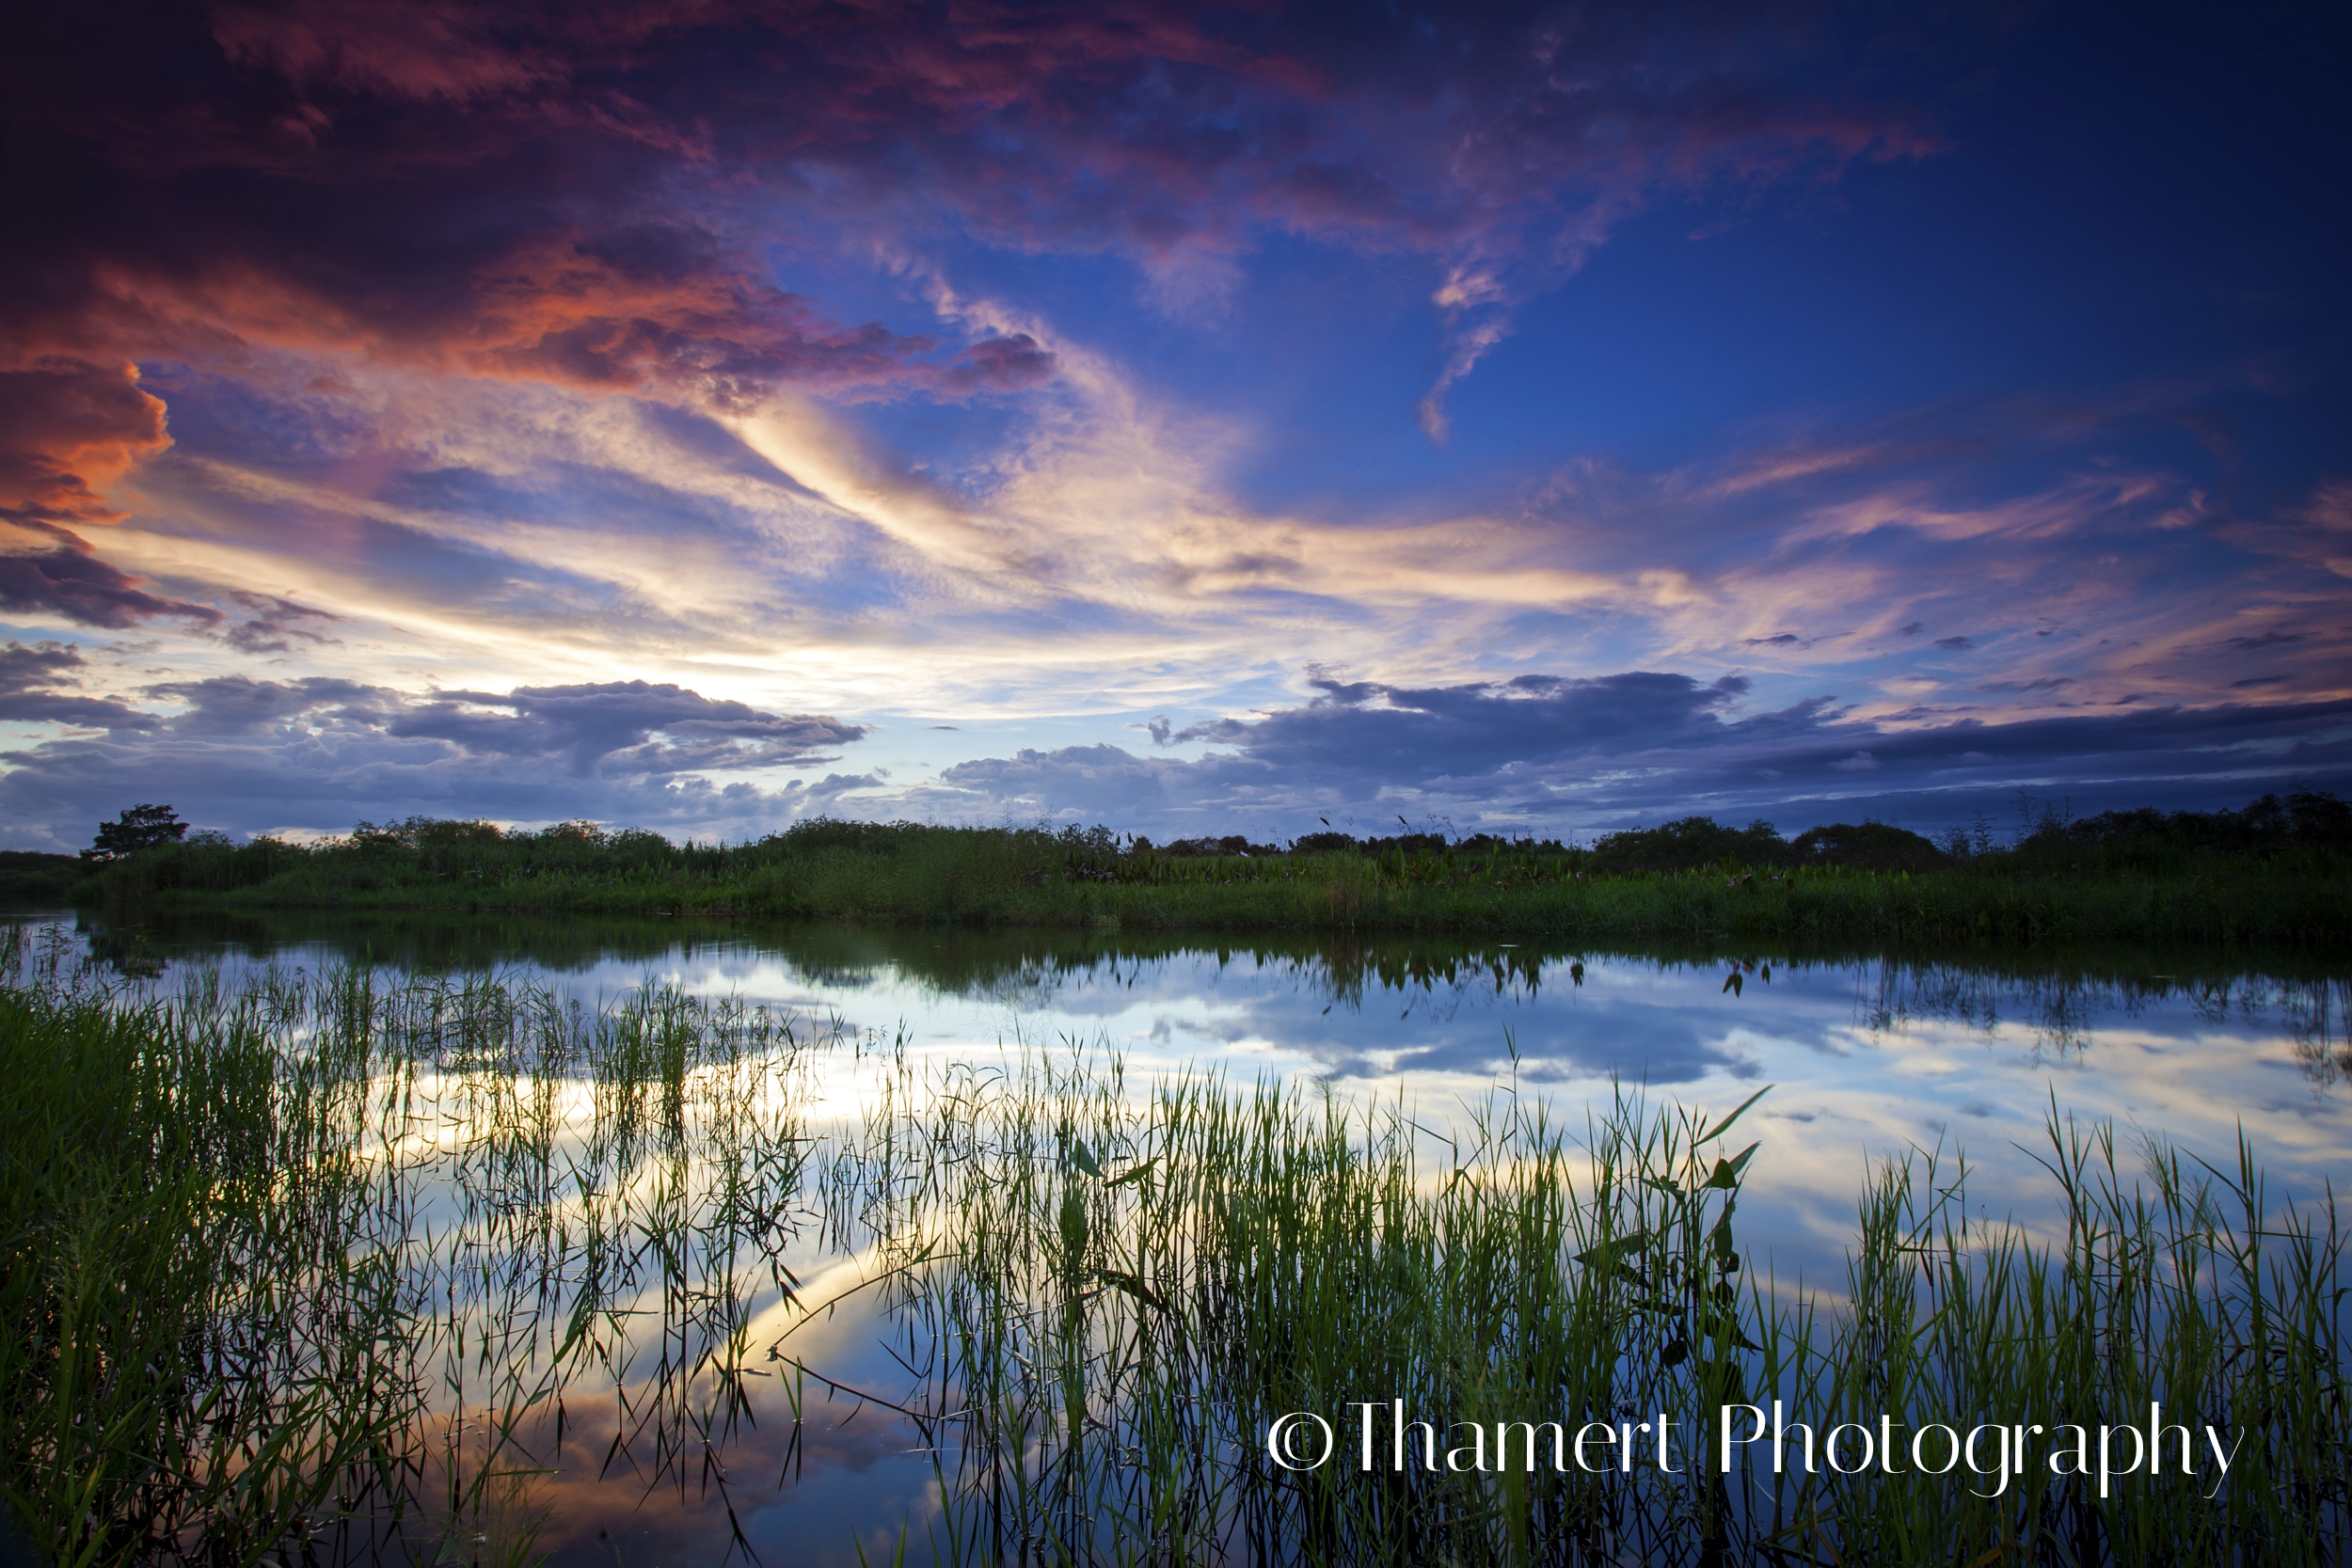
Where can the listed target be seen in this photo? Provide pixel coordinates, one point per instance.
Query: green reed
(340, 1266)
(1126, 1291)
(310, 1264)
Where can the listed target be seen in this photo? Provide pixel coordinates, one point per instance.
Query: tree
(141, 827)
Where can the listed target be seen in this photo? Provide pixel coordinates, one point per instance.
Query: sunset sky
(701, 416)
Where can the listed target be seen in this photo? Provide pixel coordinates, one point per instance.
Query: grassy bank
(2280, 884)
(321, 1266)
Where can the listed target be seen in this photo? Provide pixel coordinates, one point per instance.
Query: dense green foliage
(141, 827)
(2273, 874)
(27, 877)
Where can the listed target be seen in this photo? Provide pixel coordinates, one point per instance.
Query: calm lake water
(1867, 1057)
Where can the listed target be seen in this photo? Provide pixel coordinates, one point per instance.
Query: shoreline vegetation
(2274, 875)
(231, 1338)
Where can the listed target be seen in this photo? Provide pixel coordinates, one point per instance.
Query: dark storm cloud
(318, 753)
(1551, 751)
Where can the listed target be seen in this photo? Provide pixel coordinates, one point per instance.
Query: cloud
(614, 726)
(248, 754)
(276, 624)
(1365, 730)
(545, 353)
(45, 570)
(26, 675)
(576, 200)
(1554, 754)
(68, 429)
(2267, 639)
(1958, 644)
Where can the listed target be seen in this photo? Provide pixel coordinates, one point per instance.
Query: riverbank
(1741, 888)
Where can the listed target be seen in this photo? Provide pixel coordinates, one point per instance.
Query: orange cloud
(68, 429)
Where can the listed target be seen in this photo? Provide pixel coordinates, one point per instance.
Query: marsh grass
(340, 1267)
(310, 1264)
(1141, 1285)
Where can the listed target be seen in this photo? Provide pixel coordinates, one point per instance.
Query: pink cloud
(466, 183)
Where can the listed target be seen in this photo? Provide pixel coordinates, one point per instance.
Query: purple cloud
(321, 753)
(67, 579)
(1551, 753)
(27, 673)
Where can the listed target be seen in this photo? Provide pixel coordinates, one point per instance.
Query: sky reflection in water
(1868, 1058)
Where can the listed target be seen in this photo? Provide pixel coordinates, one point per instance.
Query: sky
(1194, 418)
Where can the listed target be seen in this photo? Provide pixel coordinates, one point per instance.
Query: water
(1867, 1057)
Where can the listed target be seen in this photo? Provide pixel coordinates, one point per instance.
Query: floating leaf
(1675, 1353)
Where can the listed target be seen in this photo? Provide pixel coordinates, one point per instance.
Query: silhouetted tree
(141, 827)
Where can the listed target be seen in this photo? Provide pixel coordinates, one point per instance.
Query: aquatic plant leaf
(1728, 1171)
(1082, 1158)
(1608, 1253)
(1133, 1285)
(1724, 1126)
(1134, 1173)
